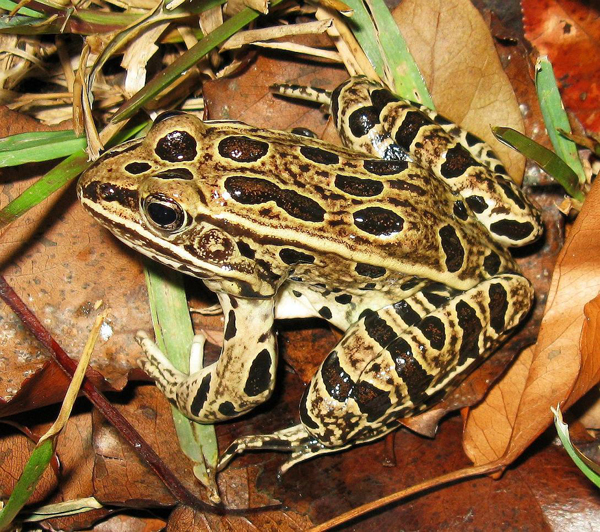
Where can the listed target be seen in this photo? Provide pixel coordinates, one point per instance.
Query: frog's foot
(157, 366)
(296, 440)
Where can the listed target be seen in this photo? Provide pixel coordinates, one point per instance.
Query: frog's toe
(296, 440)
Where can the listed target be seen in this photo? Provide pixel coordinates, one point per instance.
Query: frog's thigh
(341, 309)
(381, 371)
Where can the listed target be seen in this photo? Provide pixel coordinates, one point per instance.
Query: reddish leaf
(568, 32)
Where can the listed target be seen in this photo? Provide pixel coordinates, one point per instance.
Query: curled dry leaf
(557, 370)
(455, 52)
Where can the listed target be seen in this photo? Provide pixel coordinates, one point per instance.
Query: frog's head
(156, 195)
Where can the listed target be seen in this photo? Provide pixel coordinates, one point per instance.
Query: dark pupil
(162, 214)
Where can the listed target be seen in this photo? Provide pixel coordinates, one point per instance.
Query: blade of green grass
(20, 25)
(409, 82)
(546, 159)
(555, 116)
(56, 178)
(34, 469)
(38, 146)
(362, 28)
(590, 469)
(174, 334)
(26, 11)
(186, 61)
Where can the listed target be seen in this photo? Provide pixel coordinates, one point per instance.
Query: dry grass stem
(266, 34)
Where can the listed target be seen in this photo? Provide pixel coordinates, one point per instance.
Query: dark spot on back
(167, 114)
(382, 167)
(460, 211)
(319, 156)
(477, 203)
(491, 263)
(442, 120)
(254, 191)
(378, 221)
(137, 168)
(242, 149)
(471, 139)
(358, 187)
(176, 146)
(176, 173)
(401, 184)
(303, 132)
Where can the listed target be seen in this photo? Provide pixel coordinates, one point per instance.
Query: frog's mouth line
(150, 247)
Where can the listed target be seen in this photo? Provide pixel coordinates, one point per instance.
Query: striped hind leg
(397, 362)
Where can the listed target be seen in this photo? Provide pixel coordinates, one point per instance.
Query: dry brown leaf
(555, 370)
(456, 55)
(61, 262)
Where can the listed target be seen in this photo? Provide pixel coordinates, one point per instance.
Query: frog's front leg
(241, 379)
(397, 362)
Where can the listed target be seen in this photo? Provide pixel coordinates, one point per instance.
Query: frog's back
(345, 208)
(285, 200)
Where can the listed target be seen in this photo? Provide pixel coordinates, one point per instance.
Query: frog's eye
(164, 213)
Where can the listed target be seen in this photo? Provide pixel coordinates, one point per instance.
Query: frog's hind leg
(409, 369)
(299, 442)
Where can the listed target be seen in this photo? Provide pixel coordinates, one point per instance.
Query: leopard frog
(398, 239)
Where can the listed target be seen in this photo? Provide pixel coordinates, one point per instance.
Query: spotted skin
(398, 254)
(459, 158)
